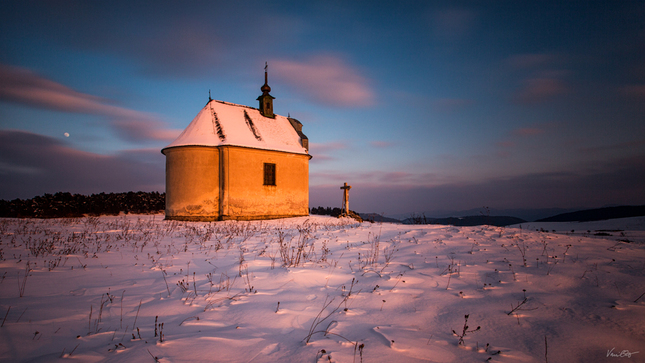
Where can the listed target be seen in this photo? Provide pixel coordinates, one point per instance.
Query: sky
(421, 106)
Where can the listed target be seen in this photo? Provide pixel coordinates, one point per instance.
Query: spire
(266, 100)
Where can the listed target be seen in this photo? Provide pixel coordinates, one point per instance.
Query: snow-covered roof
(223, 123)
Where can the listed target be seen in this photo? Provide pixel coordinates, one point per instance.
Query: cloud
(321, 151)
(32, 164)
(539, 90)
(541, 76)
(326, 79)
(143, 129)
(22, 86)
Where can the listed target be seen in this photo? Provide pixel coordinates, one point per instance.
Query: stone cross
(346, 189)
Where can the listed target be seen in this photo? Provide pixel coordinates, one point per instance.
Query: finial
(265, 88)
(209, 96)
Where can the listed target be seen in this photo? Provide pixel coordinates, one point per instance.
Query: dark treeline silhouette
(335, 212)
(65, 205)
(328, 211)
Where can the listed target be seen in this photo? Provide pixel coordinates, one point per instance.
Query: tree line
(66, 205)
(328, 211)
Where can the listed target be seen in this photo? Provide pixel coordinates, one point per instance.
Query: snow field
(138, 288)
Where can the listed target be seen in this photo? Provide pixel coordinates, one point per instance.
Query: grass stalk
(5, 317)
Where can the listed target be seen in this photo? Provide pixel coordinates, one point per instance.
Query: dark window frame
(269, 174)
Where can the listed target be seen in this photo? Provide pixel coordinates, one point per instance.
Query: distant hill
(598, 214)
(375, 217)
(526, 214)
(498, 221)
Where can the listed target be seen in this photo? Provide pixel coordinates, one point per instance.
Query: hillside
(598, 214)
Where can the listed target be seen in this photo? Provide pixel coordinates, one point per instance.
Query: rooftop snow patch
(222, 123)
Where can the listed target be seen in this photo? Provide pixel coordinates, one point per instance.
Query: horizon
(422, 107)
(527, 215)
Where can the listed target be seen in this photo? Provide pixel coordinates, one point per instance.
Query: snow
(98, 289)
(270, 133)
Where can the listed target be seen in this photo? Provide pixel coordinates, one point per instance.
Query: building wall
(246, 196)
(227, 182)
(192, 183)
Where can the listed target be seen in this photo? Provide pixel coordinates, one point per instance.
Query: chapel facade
(238, 162)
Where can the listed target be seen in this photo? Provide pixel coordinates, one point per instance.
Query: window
(269, 174)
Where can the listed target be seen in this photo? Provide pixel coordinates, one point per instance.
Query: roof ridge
(235, 104)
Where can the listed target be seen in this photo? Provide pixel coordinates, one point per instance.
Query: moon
(66, 134)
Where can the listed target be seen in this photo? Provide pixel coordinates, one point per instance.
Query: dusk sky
(421, 106)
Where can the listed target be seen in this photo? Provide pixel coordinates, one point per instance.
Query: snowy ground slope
(137, 288)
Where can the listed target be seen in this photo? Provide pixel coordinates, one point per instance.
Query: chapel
(238, 162)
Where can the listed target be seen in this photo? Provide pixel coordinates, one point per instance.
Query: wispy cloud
(23, 86)
(541, 77)
(322, 151)
(326, 79)
(538, 90)
(28, 159)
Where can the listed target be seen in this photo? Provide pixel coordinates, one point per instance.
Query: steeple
(266, 100)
